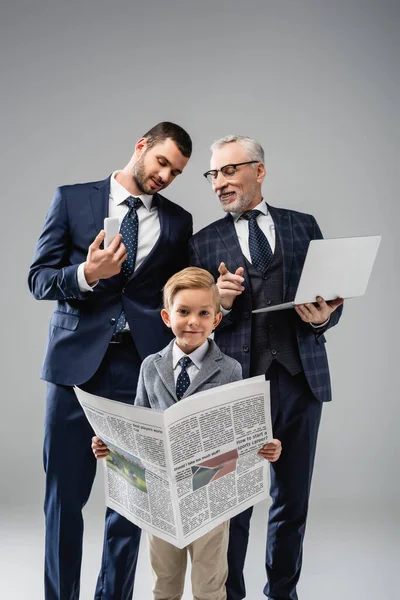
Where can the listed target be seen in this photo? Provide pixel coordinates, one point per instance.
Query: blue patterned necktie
(260, 250)
(130, 232)
(183, 381)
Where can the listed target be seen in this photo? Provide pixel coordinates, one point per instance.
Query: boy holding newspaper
(191, 362)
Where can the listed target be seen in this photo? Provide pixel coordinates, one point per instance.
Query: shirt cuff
(320, 324)
(225, 311)
(82, 283)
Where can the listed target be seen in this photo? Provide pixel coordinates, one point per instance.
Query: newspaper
(178, 474)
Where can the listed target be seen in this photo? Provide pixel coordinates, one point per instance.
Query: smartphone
(111, 227)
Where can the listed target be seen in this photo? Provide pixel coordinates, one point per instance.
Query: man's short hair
(166, 130)
(191, 278)
(254, 149)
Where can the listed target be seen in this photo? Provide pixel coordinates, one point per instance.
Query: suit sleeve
(194, 260)
(142, 398)
(50, 276)
(183, 258)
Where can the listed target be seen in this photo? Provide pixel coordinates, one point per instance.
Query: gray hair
(254, 148)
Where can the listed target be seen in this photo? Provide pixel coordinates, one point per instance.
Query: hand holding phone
(111, 228)
(100, 264)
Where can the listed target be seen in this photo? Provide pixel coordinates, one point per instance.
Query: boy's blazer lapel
(208, 369)
(163, 364)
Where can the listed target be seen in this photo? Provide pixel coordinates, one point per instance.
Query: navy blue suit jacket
(83, 323)
(218, 243)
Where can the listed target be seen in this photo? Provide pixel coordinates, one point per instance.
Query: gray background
(316, 82)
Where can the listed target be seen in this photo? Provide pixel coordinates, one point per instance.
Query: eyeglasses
(228, 171)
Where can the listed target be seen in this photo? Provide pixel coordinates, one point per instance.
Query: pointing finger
(222, 270)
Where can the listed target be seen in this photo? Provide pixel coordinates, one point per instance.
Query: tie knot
(133, 202)
(185, 361)
(251, 215)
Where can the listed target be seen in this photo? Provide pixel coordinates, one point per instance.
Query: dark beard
(139, 176)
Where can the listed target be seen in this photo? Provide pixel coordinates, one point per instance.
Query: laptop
(334, 268)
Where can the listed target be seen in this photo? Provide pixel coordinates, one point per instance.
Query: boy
(187, 365)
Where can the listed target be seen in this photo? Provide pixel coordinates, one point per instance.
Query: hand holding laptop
(230, 285)
(319, 313)
(333, 269)
(337, 268)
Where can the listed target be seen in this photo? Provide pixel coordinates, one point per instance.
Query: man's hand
(316, 315)
(100, 450)
(102, 264)
(229, 285)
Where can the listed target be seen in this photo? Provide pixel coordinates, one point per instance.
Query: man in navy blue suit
(257, 253)
(106, 321)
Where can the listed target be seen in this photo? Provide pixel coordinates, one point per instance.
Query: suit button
(273, 351)
(271, 328)
(113, 321)
(246, 315)
(268, 302)
(265, 276)
(245, 348)
(123, 291)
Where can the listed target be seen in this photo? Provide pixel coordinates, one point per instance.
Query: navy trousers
(296, 415)
(70, 470)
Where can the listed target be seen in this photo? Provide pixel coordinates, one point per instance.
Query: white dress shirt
(149, 224)
(267, 226)
(197, 358)
(265, 223)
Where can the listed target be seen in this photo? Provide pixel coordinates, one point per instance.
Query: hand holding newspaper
(180, 473)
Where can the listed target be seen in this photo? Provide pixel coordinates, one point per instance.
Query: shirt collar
(262, 207)
(197, 356)
(119, 194)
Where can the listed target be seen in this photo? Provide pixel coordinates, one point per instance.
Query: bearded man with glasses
(256, 253)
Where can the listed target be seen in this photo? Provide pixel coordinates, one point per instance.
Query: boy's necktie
(183, 381)
(130, 232)
(260, 250)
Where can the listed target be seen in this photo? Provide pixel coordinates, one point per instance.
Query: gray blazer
(156, 386)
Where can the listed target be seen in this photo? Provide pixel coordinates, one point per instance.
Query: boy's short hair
(191, 278)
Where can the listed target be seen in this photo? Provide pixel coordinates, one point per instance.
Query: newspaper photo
(178, 474)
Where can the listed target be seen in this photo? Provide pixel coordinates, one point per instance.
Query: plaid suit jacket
(218, 243)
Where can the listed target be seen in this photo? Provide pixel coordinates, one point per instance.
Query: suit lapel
(208, 369)
(162, 238)
(283, 228)
(227, 232)
(99, 200)
(163, 364)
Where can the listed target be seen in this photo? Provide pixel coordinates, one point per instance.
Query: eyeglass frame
(234, 165)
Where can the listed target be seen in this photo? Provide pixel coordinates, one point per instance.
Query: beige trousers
(209, 566)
